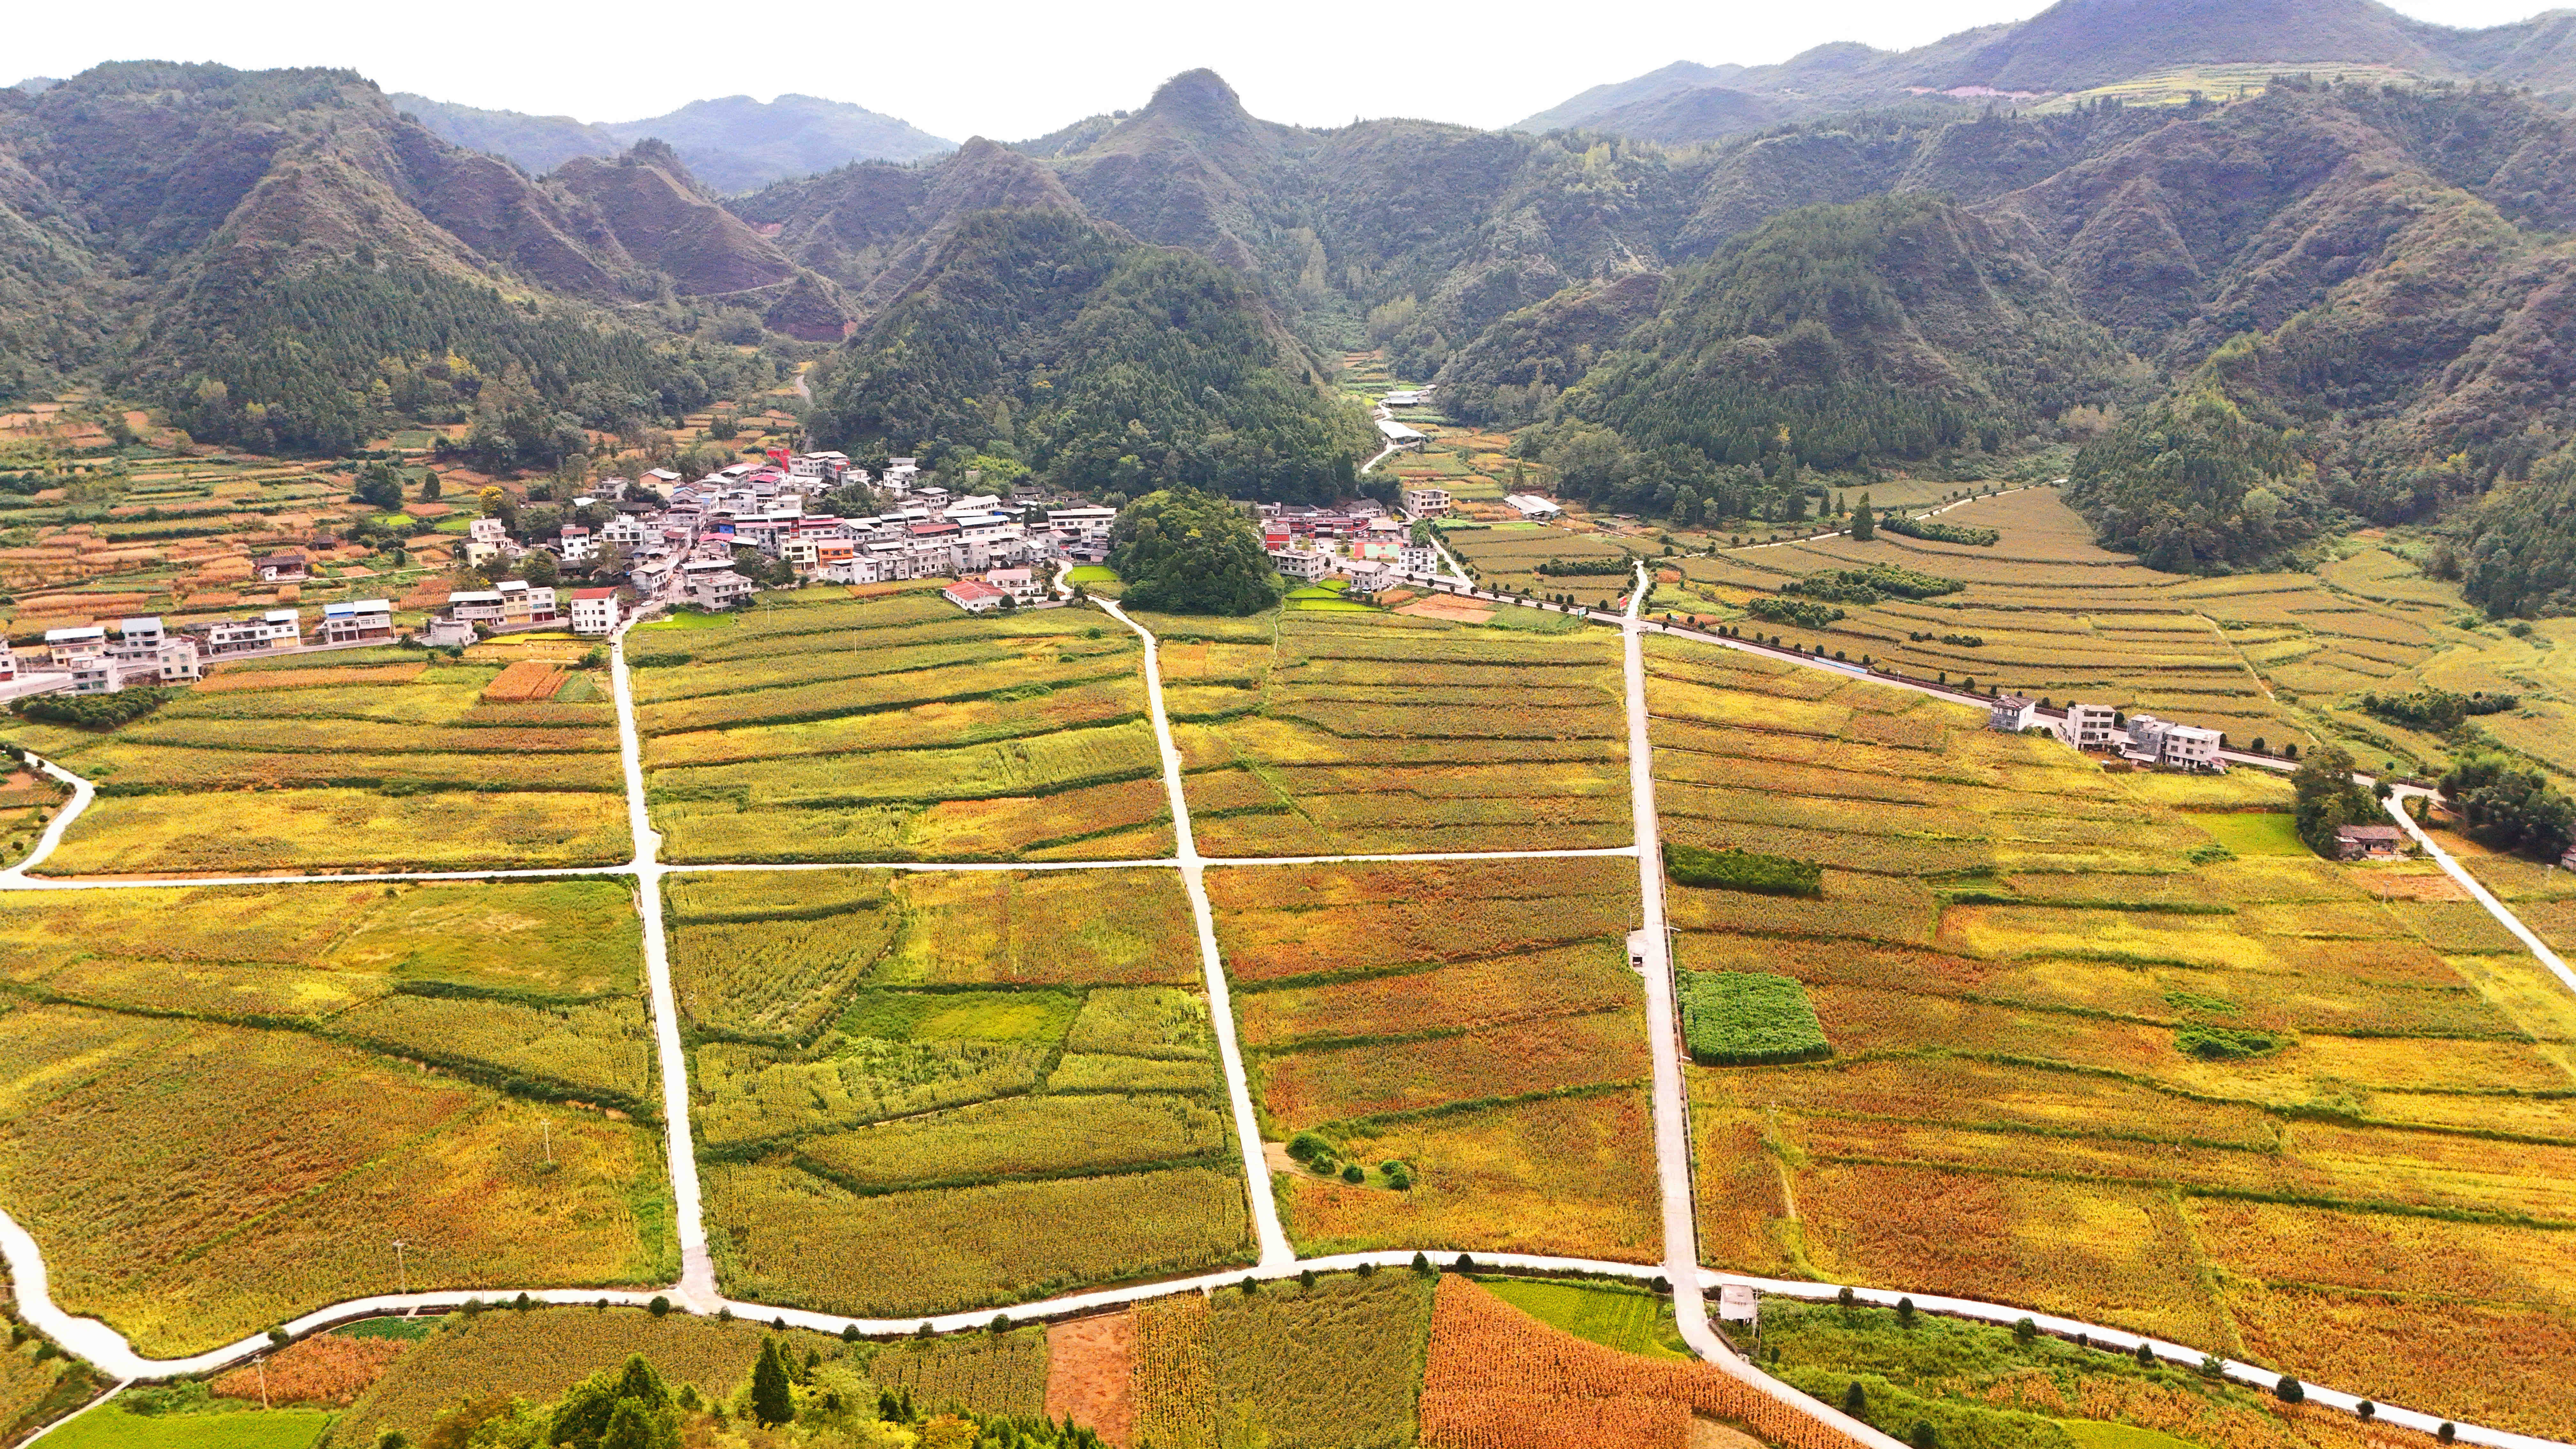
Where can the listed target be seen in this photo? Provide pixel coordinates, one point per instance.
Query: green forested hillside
(1104, 364)
(280, 260)
(1840, 337)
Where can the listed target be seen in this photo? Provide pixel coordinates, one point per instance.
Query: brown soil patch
(1454, 610)
(1707, 1433)
(2391, 885)
(326, 1370)
(1091, 1374)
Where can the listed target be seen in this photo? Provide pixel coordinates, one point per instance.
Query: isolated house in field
(1397, 435)
(716, 588)
(2368, 842)
(280, 568)
(1530, 505)
(1021, 584)
(2012, 713)
(1428, 502)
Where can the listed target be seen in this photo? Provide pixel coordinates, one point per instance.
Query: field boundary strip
(109, 1350)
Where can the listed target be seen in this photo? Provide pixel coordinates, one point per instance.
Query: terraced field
(1342, 733)
(823, 727)
(2086, 1059)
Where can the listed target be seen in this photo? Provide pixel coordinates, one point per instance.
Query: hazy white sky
(1008, 69)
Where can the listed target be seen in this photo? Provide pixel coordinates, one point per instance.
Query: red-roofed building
(974, 596)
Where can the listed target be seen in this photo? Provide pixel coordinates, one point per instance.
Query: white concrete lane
(1651, 948)
(83, 792)
(2396, 807)
(1273, 1239)
(697, 1267)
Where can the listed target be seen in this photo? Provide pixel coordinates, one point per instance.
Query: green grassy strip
(2380, 1206)
(1477, 1104)
(1218, 1157)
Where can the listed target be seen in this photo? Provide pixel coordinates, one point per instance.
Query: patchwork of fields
(343, 760)
(219, 1106)
(2086, 1059)
(1016, 1067)
(1308, 734)
(821, 727)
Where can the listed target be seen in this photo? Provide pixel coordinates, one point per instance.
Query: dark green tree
(773, 1399)
(2328, 799)
(379, 486)
(631, 1399)
(1864, 524)
(2513, 805)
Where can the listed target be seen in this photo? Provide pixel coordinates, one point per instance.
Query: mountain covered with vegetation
(1105, 365)
(280, 260)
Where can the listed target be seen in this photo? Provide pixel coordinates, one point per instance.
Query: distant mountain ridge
(2073, 45)
(732, 144)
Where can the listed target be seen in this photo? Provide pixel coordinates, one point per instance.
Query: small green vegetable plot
(112, 1428)
(1738, 1018)
(1743, 870)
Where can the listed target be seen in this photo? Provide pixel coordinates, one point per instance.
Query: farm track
(698, 1292)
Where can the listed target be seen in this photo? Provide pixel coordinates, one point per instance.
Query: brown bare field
(1091, 1375)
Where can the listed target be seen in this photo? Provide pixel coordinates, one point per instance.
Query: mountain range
(730, 144)
(2072, 47)
(2259, 316)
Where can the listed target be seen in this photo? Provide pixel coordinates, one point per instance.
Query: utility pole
(263, 1380)
(401, 1282)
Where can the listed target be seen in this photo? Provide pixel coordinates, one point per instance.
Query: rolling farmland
(2084, 1061)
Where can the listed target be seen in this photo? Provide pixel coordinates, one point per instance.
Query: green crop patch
(1743, 870)
(1742, 1018)
(1015, 1016)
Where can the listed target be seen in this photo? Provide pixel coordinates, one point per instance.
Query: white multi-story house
(356, 620)
(243, 636)
(622, 529)
(1428, 502)
(2158, 742)
(718, 588)
(2012, 713)
(594, 611)
(1300, 564)
(578, 544)
(1021, 584)
(2092, 726)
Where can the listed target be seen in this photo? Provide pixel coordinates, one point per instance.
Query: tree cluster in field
(1805, 615)
(2512, 804)
(1932, 530)
(1741, 1018)
(1736, 869)
(1321, 1155)
(94, 711)
(1871, 585)
(1181, 551)
(1107, 367)
(2436, 710)
(2328, 798)
(1586, 567)
(825, 1403)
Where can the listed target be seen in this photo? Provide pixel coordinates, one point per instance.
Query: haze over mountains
(2073, 46)
(2269, 315)
(730, 144)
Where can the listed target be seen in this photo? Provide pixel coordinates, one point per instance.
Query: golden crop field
(1336, 1364)
(308, 763)
(1381, 732)
(820, 727)
(2087, 1062)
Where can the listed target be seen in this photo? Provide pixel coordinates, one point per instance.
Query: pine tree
(1864, 524)
(772, 1401)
